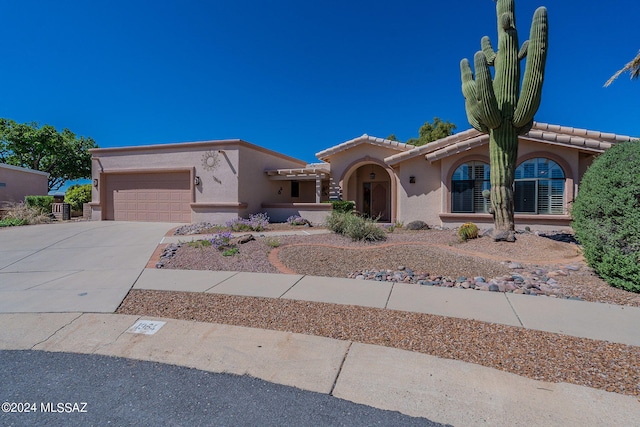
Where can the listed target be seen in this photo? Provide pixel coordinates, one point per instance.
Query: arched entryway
(371, 187)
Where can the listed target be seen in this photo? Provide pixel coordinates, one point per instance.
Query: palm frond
(633, 67)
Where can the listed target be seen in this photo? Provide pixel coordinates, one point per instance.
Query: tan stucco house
(440, 183)
(17, 182)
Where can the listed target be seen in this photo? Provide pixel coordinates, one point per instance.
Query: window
(539, 187)
(467, 184)
(295, 189)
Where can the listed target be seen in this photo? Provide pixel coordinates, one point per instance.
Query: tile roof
(581, 139)
(364, 139)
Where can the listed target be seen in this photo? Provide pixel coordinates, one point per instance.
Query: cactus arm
(524, 129)
(490, 114)
(534, 73)
(471, 102)
(488, 50)
(523, 50)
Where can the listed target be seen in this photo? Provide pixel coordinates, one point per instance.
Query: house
(211, 181)
(440, 183)
(17, 182)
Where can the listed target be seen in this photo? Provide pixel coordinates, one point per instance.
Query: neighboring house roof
(21, 169)
(580, 139)
(311, 171)
(364, 139)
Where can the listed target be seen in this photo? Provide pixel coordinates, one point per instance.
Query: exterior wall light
(372, 176)
(196, 180)
(412, 179)
(95, 182)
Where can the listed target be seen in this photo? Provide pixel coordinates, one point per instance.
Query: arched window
(539, 187)
(467, 183)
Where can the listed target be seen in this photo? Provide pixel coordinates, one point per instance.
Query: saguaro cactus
(500, 108)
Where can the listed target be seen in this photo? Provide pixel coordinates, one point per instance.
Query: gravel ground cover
(534, 354)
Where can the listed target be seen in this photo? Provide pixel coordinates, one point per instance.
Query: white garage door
(155, 197)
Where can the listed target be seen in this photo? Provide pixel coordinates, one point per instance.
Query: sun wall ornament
(210, 160)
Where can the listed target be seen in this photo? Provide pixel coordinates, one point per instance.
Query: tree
(61, 154)
(77, 195)
(432, 132)
(633, 67)
(498, 107)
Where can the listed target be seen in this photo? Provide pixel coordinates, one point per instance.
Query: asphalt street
(65, 389)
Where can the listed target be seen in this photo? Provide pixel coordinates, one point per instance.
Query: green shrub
(199, 243)
(342, 206)
(357, 228)
(468, 231)
(43, 203)
(606, 215)
(12, 222)
(272, 242)
(336, 221)
(231, 252)
(77, 195)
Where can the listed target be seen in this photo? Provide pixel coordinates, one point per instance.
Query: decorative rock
(242, 239)
(515, 265)
(417, 225)
(494, 288)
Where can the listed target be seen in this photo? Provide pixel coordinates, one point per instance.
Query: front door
(375, 200)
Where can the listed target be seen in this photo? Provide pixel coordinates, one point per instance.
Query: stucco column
(318, 188)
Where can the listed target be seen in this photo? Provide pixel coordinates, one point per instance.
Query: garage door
(156, 197)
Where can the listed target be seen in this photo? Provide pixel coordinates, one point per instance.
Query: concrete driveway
(74, 266)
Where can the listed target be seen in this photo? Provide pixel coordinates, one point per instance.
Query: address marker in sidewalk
(146, 327)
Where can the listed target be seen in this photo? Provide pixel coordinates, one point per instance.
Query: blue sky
(294, 76)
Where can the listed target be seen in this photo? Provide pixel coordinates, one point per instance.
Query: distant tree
(432, 131)
(61, 154)
(632, 67)
(392, 137)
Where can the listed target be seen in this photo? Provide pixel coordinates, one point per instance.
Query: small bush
(468, 231)
(221, 240)
(77, 195)
(606, 215)
(357, 228)
(256, 222)
(272, 242)
(12, 222)
(342, 206)
(231, 252)
(199, 243)
(43, 203)
(21, 213)
(336, 221)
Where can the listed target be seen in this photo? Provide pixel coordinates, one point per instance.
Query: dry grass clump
(21, 214)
